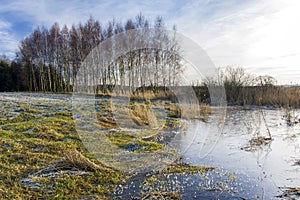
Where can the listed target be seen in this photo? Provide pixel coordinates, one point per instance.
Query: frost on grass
(42, 156)
(72, 164)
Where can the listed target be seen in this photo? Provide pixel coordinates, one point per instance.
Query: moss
(21, 117)
(120, 139)
(148, 146)
(182, 167)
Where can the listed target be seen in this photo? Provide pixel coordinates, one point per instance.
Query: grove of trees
(49, 59)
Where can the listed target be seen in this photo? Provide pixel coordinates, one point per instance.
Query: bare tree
(53, 57)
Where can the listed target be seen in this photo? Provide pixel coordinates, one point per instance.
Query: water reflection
(271, 166)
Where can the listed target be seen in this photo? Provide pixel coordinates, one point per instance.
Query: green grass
(121, 139)
(181, 168)
(34, 138)
(30, 142)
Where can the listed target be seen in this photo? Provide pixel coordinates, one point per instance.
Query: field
(44, 154)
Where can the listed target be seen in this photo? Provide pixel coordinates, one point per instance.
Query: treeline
(243, 88)
(12, 76)
(49, 59)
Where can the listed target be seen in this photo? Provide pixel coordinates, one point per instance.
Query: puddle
(259, 174)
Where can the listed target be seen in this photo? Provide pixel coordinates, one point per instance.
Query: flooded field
(216, 157)
(268, 168)
(261, 172)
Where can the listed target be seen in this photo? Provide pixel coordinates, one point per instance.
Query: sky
(263, 36)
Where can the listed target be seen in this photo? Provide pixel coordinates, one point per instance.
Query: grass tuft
(74, 160)
(182, 167)
(142, 115)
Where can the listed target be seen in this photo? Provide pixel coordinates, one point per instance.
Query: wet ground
(269, 168)
(263, 172)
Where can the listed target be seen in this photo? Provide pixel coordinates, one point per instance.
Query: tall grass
(143, 115)
(277, 96)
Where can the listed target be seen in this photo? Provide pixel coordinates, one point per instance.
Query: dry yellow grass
(74, 160)
(248, 95)
(138, 94)
(191, 111)
(105, 122)
(142, 115)
(274, 96)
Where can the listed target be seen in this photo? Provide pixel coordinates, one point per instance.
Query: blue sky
(261, 35)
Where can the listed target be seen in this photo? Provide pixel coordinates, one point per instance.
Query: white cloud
(262, 36)
(4, 25)
(8, 43)
(47, 12)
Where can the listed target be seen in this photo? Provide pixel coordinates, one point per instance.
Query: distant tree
(5, 76)
(235, 80)
(265, 81)
(236, 77)
(19, 82)
(4, 58)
